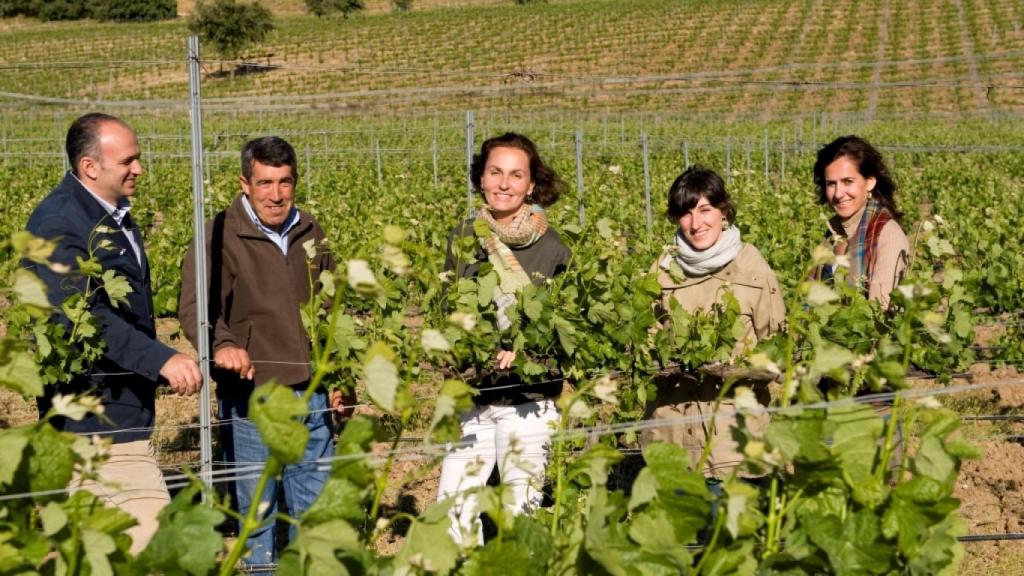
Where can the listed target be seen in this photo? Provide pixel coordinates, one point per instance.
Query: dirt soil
(991, 488)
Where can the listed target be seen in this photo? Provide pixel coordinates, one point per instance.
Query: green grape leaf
(12, 445)
(933, 461)
(455, 397)
(434, 341)
(29, 289)
(19, 372)
(98, 547)
(340, 499)
(314, 551)
(32, 247)
(381, 378)
(90, 267)
(187, 541)
(116, 287)
(276, 411)
(53, 517)
(428, 545)
(50, 460)
(361, 278)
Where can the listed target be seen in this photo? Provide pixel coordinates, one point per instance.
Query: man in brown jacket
(259, 276)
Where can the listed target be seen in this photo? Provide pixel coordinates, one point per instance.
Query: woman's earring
(529, 196)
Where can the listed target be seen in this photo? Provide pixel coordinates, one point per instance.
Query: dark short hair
(547, 186)
(83, 137)
(271, 151)
(869, 164)
(694, 183)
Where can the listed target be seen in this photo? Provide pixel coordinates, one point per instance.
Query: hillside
(733, 58)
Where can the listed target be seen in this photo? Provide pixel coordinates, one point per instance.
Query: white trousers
(516, 439)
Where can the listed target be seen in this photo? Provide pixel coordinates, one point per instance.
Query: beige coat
(690, 398)
(748, 277)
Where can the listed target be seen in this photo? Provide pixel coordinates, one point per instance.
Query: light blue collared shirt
(280, 239)
(117, 214)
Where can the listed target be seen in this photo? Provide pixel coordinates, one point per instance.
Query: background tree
(231, 27)
(133, 10)
(327, 7)
(116, 10)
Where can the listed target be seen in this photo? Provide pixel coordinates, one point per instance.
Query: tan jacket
(254, 298)
(748, 277)
(686, 402)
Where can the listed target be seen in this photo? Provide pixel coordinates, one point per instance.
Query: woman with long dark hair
(510, 424)
(853, 180)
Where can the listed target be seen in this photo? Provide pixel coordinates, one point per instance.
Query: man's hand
(182, 373)
(343, 404)
(236, 360)
(505, 358)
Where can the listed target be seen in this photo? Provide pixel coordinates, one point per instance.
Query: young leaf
(30, 290)
(116, 287)
(277, 411)
(187, 541)
(19, 372)
(381, 379)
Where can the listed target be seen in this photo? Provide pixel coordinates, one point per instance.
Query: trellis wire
(641, 425)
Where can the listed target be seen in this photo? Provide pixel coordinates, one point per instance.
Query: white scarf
(704, 262)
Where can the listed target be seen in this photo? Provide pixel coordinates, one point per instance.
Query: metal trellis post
(579, 173)
(469, 163)
(647, 182)
(309, 172)
(199, 237)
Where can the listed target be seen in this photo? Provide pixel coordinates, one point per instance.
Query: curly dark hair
(547, 185)
(695, 183)
(869, 164)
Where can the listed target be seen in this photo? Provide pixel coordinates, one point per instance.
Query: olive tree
(229, 26)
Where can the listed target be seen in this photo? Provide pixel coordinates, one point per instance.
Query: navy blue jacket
(126, 377)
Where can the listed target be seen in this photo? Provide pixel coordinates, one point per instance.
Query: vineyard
(620, 97)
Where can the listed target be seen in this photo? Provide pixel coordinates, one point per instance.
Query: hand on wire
(236, 360)
(182, 373)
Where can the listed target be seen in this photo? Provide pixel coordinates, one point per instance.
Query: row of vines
(841, 493)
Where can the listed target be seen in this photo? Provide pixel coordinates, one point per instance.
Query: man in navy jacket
(88, 213)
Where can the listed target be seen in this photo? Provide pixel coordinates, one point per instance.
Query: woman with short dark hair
(853, 180)
(707, 259)
(511, 423)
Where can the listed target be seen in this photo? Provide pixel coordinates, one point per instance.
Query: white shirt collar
(116, 212)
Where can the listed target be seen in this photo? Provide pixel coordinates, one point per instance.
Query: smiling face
(702, 226)
(506, 181)
(271, 192)
(846, 190)
(112, 171)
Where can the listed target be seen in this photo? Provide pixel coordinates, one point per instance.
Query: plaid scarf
(862, 248)
(498, 239)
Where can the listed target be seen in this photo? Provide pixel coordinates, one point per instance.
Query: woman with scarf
(854, 181)
(511, 422)
(709, 258)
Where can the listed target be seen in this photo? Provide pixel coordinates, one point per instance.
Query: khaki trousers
(131, 480)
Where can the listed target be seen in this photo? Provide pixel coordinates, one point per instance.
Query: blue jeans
(302, 482)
